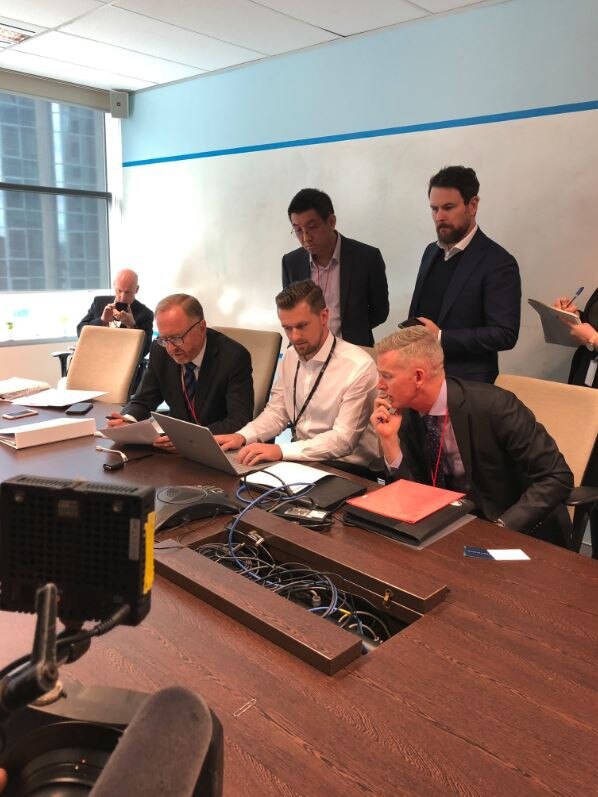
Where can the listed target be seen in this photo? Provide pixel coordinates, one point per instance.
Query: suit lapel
(346, 265)
(469, 261)
(426, 264)
(459, 421)
(204, 377)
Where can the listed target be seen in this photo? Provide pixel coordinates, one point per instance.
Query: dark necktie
(433, 441)
(190, 381)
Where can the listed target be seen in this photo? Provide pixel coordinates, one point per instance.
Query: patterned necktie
(433, 442)
(190, 381)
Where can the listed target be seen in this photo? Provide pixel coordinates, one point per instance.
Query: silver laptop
(197, 443)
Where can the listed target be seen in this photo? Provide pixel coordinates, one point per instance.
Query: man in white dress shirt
(324, 393)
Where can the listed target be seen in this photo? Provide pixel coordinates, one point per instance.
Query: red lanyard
(435, 474)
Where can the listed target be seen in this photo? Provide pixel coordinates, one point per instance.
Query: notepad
(16, 386)
(293, 475)
(406, 501)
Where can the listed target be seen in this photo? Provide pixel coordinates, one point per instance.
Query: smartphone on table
(14, 415)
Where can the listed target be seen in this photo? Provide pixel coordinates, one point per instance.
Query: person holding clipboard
(584, 368)
(584, 365)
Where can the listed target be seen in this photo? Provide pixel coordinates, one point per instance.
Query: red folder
(405, 500)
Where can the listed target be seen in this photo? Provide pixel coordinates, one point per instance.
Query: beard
(449, 234)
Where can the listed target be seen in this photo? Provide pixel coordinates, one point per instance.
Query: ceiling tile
(75, 50)
(347, 17)
(240, 22)
(48, 14)
(437, 6)
(83, 76)
(126, 29)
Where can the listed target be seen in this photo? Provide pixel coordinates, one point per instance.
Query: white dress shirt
(335, 423)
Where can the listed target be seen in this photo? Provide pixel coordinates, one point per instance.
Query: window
(54, 206)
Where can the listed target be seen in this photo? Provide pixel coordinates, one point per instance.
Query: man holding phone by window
(121, 310)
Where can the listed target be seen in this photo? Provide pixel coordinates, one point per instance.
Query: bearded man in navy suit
(468, 289)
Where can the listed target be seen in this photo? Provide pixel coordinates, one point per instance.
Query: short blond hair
(414, 343)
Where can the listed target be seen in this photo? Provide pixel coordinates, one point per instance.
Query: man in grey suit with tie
(468, 289)
(351, 274)
(468, 436)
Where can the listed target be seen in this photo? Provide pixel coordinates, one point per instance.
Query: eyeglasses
(312, 227)
(176, 340)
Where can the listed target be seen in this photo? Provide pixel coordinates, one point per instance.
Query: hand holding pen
(564, 303)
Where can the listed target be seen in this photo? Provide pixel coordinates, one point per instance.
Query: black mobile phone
(121, 306)
(13, 415)
(410, 322)
(79, 409)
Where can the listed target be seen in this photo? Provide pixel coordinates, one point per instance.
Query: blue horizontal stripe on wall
(388, 131)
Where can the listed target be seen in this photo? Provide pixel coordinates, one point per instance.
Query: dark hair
(311, 199)
(189, 304)
(302, 291)
(462, 178)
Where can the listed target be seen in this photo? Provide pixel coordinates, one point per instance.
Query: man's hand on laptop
(163, 443)
(227, 442)
(259, 452)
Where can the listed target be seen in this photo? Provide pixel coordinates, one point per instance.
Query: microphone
(173, 746)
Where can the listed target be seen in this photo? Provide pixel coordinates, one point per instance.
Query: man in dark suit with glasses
(203, 376)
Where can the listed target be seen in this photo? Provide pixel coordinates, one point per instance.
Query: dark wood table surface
(493, 692)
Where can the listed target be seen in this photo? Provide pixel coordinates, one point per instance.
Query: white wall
(217, 227)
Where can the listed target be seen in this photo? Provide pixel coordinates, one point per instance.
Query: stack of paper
(16, 386)
(285, 474)
(59, 398)
(36, 434)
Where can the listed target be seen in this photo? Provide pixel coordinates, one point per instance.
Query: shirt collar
(336, 255)
(449, 251)
(322, 354)
(440, 406)
(197, 361)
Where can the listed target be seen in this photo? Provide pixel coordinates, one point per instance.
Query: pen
(110, 418)
(573, 298)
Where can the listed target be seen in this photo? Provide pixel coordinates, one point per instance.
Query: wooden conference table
(492, 692)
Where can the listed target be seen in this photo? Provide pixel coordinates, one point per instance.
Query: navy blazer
(144, 318)
(224, 396)
(363, 287)
(513, 466)
(481, 310)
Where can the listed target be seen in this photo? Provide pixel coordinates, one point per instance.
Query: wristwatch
(590, 345)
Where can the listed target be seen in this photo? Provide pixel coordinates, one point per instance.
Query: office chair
(106, 359)
(264, 348)
(570, 415)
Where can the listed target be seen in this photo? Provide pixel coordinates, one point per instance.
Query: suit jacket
(582, 357)
(480, 312)
(144, 318)
(224, 395)
(363, 287)
(513, 466)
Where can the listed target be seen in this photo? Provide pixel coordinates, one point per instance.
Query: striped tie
(433, 443)
(190, 381)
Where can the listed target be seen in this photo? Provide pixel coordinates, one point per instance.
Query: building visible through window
(53, 232)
